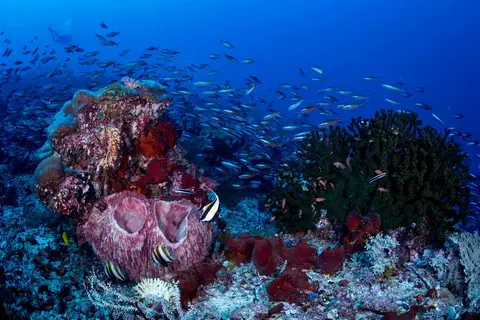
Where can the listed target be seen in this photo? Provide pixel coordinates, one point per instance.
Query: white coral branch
(379, 251)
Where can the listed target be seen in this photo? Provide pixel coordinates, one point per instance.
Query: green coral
(426, 175)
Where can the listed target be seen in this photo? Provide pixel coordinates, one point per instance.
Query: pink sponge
(126, 227)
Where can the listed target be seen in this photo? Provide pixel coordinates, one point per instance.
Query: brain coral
(47, 177)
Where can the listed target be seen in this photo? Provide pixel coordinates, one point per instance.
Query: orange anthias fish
(378, 171)
(339, 165)
(383, 189)
(308, 110)
(320, 199)
(284, 201)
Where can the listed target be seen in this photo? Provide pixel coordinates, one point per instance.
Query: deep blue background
(434, 44)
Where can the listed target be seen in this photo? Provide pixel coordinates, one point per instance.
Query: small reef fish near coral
(140, 185)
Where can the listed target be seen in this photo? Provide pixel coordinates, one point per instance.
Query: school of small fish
(241, 133)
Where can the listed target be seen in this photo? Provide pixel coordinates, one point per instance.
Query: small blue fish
(184, 191)
(227, 44)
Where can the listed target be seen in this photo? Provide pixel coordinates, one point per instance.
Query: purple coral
(126, 227)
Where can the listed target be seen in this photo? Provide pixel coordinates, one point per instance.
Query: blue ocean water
(430, 44)
(408, 44)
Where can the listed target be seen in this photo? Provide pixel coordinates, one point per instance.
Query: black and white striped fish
(209, 212)
(114, 271)
(162, 256)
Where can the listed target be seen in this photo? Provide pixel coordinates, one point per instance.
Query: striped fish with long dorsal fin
(209, 212)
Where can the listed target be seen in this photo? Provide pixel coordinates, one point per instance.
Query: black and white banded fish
(162, 256)
(114, 271)
(377, 177)
(209, 212)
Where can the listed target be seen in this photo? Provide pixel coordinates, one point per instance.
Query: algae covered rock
(389, 164)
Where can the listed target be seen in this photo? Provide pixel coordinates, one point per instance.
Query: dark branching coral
(425, 175)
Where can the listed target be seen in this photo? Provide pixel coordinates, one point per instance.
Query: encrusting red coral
(241, 248)
(353, 222)
(331, 260)
(290, 287)
(270, 256)
(157, 171)
(302, 256)
(148, 145)
(189, 281)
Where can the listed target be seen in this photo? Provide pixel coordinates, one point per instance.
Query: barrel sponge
(126, 227)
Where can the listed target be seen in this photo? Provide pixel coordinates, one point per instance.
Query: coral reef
(389, 164)
(114, 165)
(39, 274)
(136, 200)
(43, 278)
